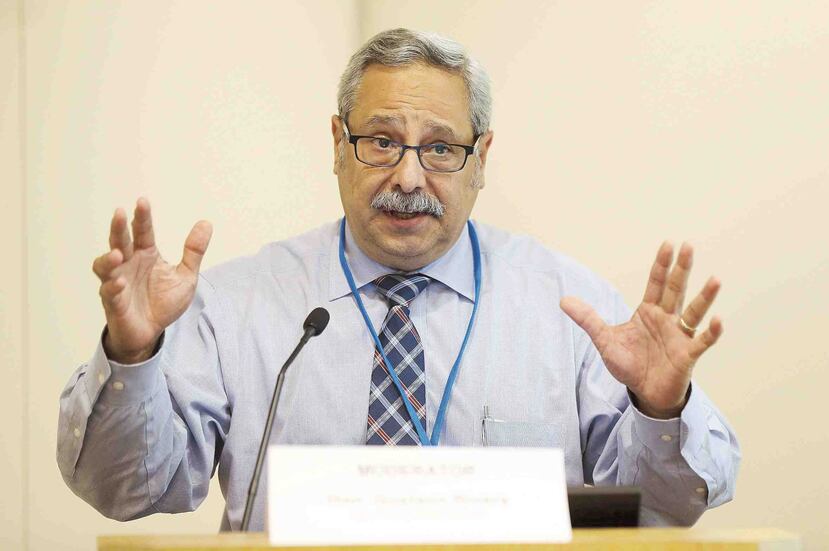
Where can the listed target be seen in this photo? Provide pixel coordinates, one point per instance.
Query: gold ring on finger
(687, 328)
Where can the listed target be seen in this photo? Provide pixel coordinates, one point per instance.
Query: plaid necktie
(388, 420)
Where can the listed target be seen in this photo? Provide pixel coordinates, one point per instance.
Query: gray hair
(411, 203)
(400, 47)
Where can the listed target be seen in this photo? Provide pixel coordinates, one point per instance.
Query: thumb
(586, 318)
(196, 245)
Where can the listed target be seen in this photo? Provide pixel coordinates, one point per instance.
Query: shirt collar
(453, 269)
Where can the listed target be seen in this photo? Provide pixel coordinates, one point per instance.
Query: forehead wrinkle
(400, 123)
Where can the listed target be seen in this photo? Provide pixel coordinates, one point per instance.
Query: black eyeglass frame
(468, 149)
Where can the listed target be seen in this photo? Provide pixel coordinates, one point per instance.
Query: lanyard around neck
(440, 421)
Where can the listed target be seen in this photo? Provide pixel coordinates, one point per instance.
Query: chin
(402, 249)
(405, 253)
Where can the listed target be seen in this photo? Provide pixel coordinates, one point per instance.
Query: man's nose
(409, 174)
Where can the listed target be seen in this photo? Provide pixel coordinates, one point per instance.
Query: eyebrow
(439, 128)
(385, 120)
(397, 122)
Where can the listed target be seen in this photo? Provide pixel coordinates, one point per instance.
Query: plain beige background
(617, 125)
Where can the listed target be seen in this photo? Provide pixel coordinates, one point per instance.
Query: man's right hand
(141, 293)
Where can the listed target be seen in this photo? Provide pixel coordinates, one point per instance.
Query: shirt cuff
(109, 384)
(660, 436)
(693, 414)
(681, 436)
(694, 428)
(115, 384)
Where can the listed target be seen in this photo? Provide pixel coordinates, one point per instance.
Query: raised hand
(141, 293)
(654, 353)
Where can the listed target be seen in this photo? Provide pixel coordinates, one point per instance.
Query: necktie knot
(401, 289)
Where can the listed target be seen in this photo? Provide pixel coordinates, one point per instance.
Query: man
(181, 380)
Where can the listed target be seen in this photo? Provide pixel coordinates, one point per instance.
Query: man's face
(414, 105)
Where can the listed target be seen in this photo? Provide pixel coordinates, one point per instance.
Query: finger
(707, 338)
(659, 273)
(702, 302)
(142, 225)
(678, 279)
(195, 246)
(680, 300)
(104, 265)
(111, 289)
(586, 318)
(119, 235)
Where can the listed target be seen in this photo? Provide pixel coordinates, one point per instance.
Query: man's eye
(441, 149)
(382, 143)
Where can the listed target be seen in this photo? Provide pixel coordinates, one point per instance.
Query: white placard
(364, 495)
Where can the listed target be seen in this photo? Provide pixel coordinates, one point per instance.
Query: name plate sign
(376, 495)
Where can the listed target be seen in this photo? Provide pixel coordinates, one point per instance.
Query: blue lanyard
(450, 382)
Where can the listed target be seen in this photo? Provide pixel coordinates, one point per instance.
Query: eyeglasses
(434, 157)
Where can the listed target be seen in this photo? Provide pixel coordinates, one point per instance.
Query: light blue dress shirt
(138, 439)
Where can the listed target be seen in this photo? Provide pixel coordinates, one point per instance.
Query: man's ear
(484, 145)
(485, 141)
(337, 134)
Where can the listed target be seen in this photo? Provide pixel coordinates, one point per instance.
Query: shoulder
(521, 257)
(279, 259)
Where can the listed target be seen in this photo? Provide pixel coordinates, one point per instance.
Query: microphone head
(316, 321)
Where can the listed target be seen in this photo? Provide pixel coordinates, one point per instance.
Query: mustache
(410, 203)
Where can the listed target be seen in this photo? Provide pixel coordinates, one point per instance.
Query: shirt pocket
(522, 434)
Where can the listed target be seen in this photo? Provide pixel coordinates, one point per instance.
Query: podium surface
(604, 539)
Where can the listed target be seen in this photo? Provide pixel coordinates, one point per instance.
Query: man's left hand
(654, 353)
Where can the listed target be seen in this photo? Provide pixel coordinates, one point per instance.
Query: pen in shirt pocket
(487, 419)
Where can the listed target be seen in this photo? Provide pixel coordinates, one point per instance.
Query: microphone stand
(312, 328)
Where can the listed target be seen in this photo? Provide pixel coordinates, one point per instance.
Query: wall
(616, 126)
(13, 439)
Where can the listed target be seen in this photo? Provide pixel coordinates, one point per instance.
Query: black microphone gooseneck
(314, 324)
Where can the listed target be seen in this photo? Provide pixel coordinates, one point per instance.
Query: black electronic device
(604, 506)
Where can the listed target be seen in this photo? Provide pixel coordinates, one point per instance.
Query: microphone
(317, 321)
(314, 324)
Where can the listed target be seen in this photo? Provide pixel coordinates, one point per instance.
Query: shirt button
(667, 437)
(700, 490)
(77, 432)
(118, 385)
(101, 378)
